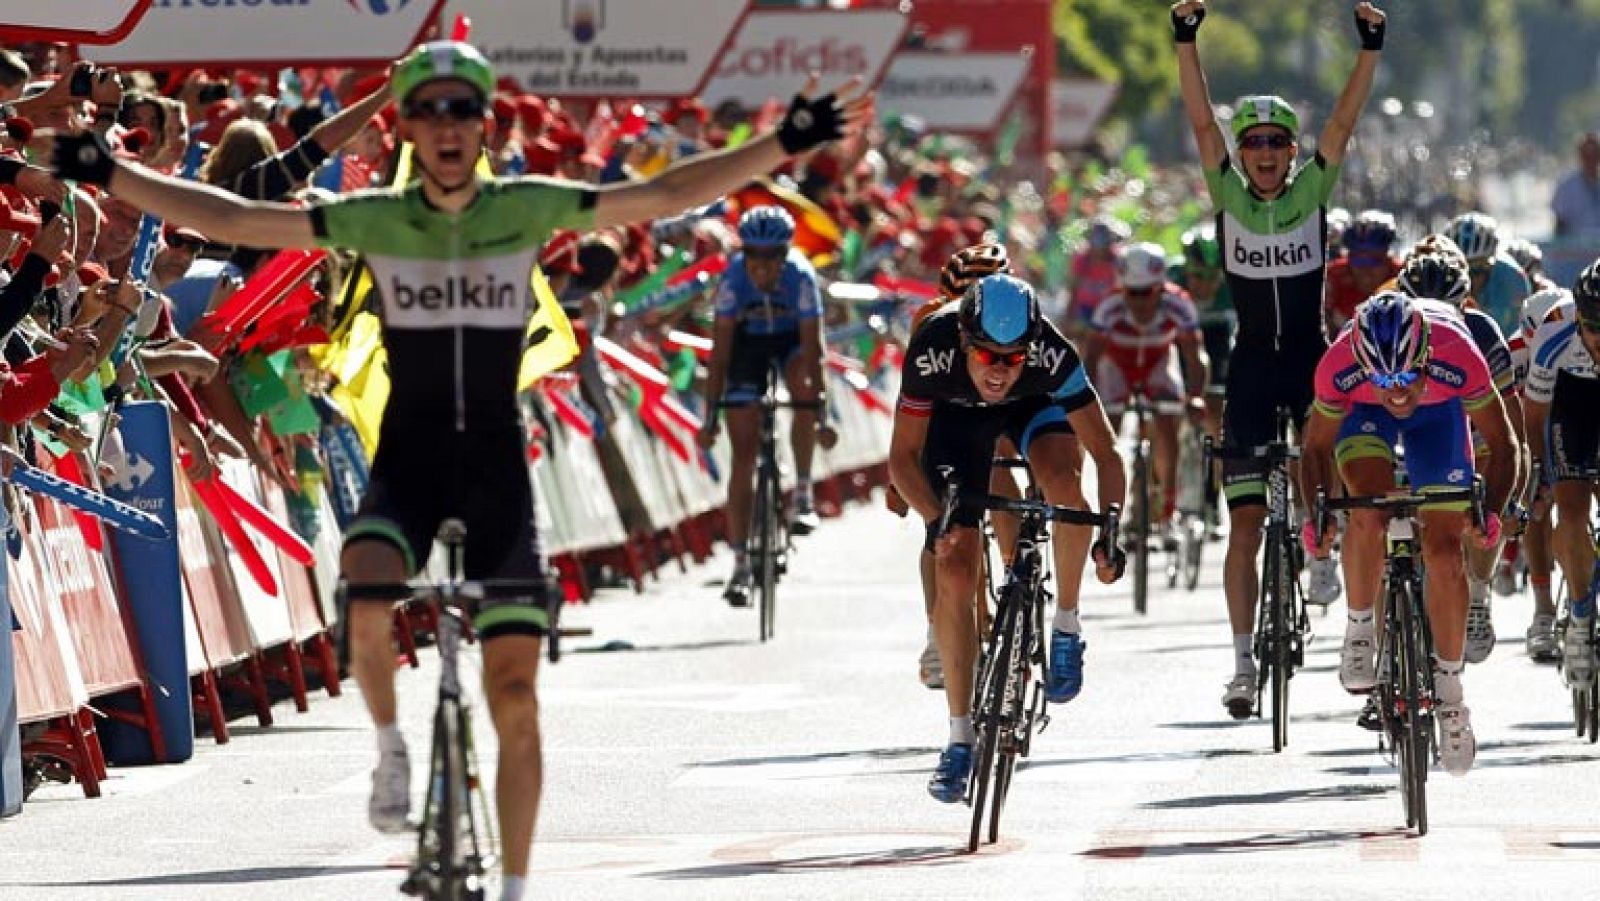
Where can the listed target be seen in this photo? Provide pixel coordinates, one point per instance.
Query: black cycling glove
(1184, 28)
(1371, 33)
(810, 123)
(84, 158)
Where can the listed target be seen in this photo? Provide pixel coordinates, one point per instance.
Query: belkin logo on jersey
(1271, 256)
(459, 293)
(1286, 254)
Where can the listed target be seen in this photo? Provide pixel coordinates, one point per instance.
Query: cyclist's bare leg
(954, 626)
(1003, 481)
(1241, 580)
(1443, 534)
(1058, 465)
(1538, 545)
(1166, 448)
(803, 427)
(510, 683)
(371, 624)
(744, 437)
(1573, 549)
(1364, 533)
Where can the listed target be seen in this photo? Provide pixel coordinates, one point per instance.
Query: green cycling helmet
(438, 60)
(1265, 109)
(1200, 247)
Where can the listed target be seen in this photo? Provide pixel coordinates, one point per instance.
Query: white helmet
(1527, 254)
(1539, 304)
(1477, 234)
(1142, 265)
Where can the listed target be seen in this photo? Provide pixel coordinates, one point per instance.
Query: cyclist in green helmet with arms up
(1271, 223)
(451, 254)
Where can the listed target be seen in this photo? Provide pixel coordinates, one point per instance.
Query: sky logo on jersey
(459, 293)
(934, 362)
(1041, 357)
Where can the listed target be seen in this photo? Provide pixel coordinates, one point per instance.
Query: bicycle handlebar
(1401, 504)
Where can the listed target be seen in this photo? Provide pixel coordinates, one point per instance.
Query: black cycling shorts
(422, 477)
(752, 356)
(1258, 384)
(1572, 434)
(960, 446)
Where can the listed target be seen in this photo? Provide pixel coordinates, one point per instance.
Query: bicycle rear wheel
(1141, 529)
(988, 716)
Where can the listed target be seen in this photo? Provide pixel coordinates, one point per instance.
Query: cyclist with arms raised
(451, 254)
(990, 366)
(1271, 221)
(768, 315)
(1408, 371)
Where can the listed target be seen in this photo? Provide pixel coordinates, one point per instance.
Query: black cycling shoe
(1369, 718)
(737, 594)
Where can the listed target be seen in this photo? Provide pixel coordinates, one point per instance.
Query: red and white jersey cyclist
(1138, 334)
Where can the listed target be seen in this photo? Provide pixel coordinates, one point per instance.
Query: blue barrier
(112, 512)
(152, 587)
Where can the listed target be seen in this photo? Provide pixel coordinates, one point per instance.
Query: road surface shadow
(1266, 841)
(283, 728)
(1551, 726)
(1147, 757)
(868, 754)
(758, 857)
(621, 645)
(1324, 793)
(214, 877)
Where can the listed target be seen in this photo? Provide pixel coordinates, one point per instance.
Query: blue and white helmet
(1000, 310)
(1391, 334)
(1477, 235)
(766, 226)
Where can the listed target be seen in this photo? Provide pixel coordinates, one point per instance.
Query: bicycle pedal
(1044, 722)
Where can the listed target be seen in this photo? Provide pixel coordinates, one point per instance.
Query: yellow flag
(551, 342)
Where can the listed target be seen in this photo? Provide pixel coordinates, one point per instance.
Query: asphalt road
(688, 761)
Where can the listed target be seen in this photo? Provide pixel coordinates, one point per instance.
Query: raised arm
(338, 129)
(223, 217)
(703, 177)
(1347, 111)
(1186, 18)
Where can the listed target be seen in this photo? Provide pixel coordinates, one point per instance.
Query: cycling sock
(740, 558)
(802, 490)
(1477, 591)
(391, 740)
(961, 732)
(1067, 621)
(511, 887)
(1447, 680)
(1361, 622)
(1244, 658)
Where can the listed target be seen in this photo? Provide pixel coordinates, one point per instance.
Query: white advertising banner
(271, 33)
(953, 91)
(776, 50)
(596, 48)
(80, 17)
(1078, 106)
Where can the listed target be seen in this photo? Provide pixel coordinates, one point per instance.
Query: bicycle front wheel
(440, 872)
(1141, 530)
(1275, 658)
(989, 714)
(765, 549)
(1415, 728)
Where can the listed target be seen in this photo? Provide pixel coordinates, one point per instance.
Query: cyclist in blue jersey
(451, 253)
(769, 316)
(1499, 286)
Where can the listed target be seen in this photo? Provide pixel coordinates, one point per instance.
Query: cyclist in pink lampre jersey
(1407, 370)
(1136, 337)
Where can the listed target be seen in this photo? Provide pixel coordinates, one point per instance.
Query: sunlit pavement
(687, 760)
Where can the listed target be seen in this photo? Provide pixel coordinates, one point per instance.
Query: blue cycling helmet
(1000, 310)
(766, 226)
(1477, 235)
(1391, 335)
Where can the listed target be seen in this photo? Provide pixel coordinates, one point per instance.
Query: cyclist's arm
(1500, 473)
(224, 218)
(1197, 104)
(342, 127)
(1537, 417)
(1196, 365)
(1316, 454)
(696, 180)
(1093, 346)
(905, 464)
(1346, 113)
(1094, 433)
(811, 354)
(722, 338)
(1519, 433)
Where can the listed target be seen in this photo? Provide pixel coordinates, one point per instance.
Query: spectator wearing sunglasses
(1272, 218)
(974, 371)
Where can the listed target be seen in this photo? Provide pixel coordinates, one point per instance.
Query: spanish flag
(815, 232)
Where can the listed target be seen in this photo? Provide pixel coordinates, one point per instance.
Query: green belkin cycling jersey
(1274, 252)
(455, 290)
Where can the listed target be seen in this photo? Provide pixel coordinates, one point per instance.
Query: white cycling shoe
(389, 808)
(1358, 664)
(1240, 696)
(1480, 629)
(1324, 587)
(1458, 747)
(930, 668)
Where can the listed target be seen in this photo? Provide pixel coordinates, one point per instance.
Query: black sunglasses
(439, 109)
(1262, 142)
(183, 242)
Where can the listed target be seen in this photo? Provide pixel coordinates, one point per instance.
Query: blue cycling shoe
(1066, 667)
(949, 782)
